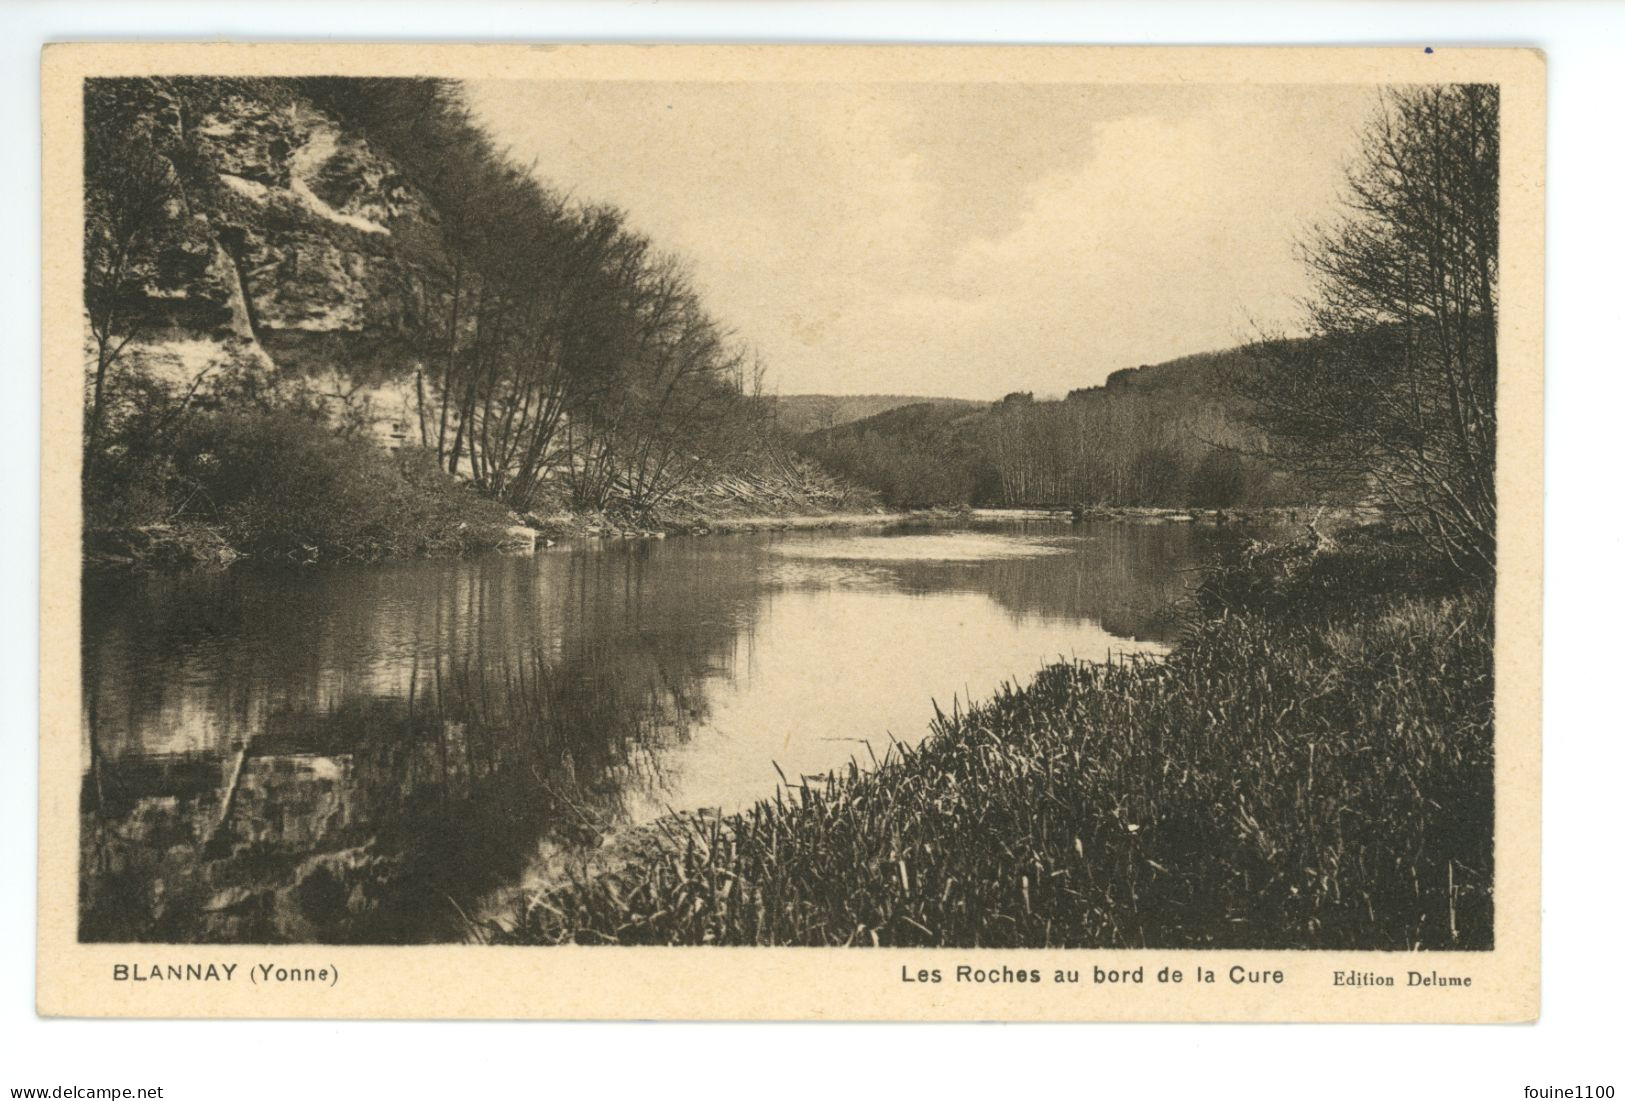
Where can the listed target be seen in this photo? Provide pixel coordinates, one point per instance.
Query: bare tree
(1397, 389)
(127, 186)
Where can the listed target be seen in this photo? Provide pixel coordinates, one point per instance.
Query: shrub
(282, 484)
(1324, 577)
(1219, 480)
(286, 485)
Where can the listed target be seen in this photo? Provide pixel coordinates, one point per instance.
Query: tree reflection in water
(359, 754)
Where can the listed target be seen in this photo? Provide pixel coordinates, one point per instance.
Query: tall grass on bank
(1312, 767)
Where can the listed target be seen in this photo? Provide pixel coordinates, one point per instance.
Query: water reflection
(364, 754)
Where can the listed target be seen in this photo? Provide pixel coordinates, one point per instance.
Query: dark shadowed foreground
(1311, 768)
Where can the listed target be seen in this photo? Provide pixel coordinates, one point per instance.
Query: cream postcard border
(455, 981)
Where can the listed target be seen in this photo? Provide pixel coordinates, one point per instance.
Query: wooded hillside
(1172, 434)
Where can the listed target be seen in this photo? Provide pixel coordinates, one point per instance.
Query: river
(378, 753)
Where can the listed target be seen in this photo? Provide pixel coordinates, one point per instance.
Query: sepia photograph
(729, 504)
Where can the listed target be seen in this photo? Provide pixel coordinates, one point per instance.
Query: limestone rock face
(307, 212)
(283, 250)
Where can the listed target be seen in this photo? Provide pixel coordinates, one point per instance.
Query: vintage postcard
(787, 532)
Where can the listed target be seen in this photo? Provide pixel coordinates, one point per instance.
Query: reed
(1311, 767)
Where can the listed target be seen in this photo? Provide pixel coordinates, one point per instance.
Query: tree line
(1173, 435)
(556, 337)
(1116, 446)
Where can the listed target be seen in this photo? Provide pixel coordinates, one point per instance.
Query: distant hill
(1170, 434)
(800, 413)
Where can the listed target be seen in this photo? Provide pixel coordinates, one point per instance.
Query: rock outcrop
(292, 254)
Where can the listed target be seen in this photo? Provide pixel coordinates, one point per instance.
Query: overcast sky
(958, 240)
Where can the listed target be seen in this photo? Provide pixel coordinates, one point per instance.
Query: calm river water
(367, 754)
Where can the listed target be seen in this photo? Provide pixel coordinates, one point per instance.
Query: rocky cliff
(291, 254)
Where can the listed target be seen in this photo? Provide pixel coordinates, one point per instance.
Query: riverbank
(608, 526)
(564, 524)
(1330, 517)
(208, 546)
(1310, 768)
(280, 489)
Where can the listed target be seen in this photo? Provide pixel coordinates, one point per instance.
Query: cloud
(959, 240)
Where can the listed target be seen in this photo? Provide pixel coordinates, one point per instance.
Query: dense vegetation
(1311, 768)
(558, 337)
(1176, 434)
(799, 414)
(915, 455)
(282, 485)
